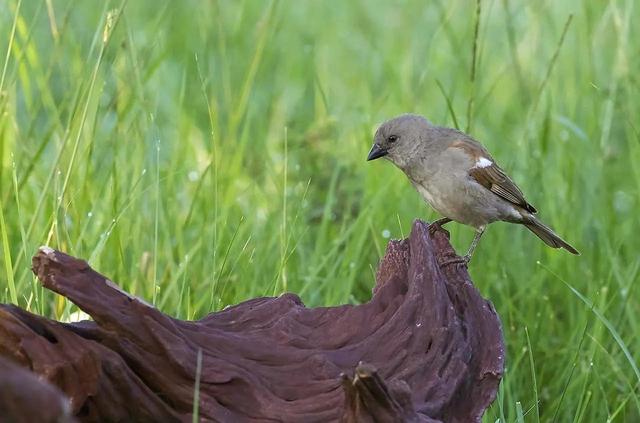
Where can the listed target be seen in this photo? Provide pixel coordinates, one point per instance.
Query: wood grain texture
(426, 347)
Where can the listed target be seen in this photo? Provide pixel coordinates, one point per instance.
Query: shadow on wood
(426, 348)
(26, 398)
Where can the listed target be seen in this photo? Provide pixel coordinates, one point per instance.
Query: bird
(457, 177)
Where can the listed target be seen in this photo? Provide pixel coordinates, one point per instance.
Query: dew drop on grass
(193, 176)
(261, 214)
(386, 234)
(90, 214)
(622, 202)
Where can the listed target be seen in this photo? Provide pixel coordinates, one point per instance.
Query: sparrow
(458, 177)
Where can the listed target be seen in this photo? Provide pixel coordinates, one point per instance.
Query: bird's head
(399, 138)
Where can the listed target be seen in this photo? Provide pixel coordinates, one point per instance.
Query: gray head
(399, 138)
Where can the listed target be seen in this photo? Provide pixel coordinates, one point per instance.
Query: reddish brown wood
(426, 348)
(26, 398)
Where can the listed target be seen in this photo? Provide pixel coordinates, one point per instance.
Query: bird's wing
(494, 179)
(488, 174)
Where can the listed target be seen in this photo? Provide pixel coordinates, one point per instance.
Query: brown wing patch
(492, 177)
(495, 180)
(472, 148)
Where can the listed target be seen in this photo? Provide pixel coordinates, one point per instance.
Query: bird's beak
(376, 152)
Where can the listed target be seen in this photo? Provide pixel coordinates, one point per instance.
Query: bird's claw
(433, 228)
(464, 260)
(436, 225)
(458, 260)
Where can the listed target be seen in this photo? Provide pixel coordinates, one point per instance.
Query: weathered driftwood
(426, 348)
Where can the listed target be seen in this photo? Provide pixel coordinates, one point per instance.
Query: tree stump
(427, 347)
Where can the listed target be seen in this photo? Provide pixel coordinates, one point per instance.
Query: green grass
(203, 153)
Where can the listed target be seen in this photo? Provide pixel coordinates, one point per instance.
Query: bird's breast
(438, 198)
(456, 199)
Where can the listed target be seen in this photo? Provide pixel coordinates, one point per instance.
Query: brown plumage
(492, 177)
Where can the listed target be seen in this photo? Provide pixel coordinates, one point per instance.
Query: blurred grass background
(202, 153)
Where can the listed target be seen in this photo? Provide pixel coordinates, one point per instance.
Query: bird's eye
(392, 138)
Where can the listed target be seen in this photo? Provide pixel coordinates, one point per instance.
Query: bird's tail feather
(549, 237)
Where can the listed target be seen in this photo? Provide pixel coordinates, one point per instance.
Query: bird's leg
(474, 243)
(437, 224)
(441, 221)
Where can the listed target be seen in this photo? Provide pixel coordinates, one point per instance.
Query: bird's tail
(545, 233)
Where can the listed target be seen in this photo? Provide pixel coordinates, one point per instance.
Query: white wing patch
(483, 162)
